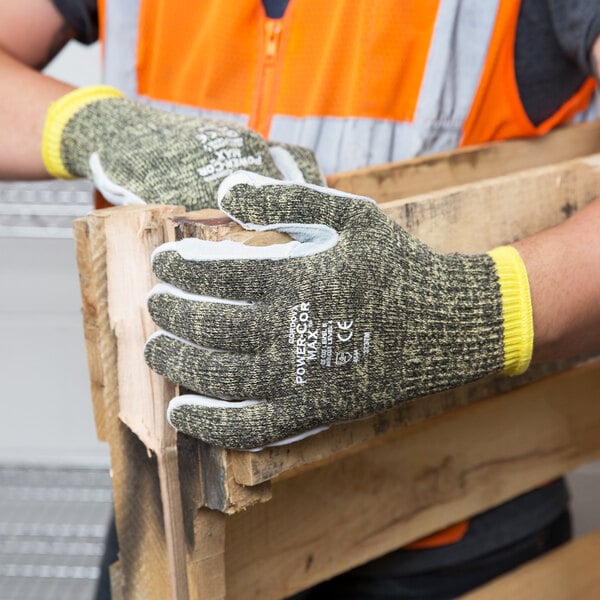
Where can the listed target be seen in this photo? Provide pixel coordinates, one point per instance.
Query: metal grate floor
(43, 209)
(52, 527)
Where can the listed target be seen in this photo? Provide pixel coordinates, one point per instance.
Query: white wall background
(77, 64)
(47, 410)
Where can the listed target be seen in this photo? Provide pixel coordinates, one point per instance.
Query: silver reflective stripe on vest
(120, 48)
(341, 144)
(457, 54)
(592, 112)
(455, 62)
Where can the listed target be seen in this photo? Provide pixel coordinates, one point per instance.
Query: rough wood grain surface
(113, 249)
(101, 349)
(358, 490)
(466, 165)
(143, 553)
(411, 482)
(478, 216)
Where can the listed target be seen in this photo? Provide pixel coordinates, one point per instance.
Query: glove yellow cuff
(516, 309)
(58, 115)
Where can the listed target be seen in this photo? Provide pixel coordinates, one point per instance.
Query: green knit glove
(135, 153)
(351, 318)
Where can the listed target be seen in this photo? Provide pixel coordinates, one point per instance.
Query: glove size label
(226, 145)
(328, 344)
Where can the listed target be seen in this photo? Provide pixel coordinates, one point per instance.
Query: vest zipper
(266, 88)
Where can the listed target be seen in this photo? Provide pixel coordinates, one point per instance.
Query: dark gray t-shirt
(552, 52)
(82, 16)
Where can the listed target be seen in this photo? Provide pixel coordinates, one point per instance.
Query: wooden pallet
(199, 522)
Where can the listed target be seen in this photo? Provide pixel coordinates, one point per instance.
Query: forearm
(563, 265)
(23, 105)
(31, 33)
(596, 58)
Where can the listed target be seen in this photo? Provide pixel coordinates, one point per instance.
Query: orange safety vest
(361, 83)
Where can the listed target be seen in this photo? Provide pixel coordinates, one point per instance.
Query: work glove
(137, 154)
(351, 318)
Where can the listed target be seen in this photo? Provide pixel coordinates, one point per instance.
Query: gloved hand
(135, 153)
(351, 318)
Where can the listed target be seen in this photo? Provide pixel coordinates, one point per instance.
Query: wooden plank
(131, 234)
(328, 519)
(469, 218)
(208, 581)
(347, 438)
(116, 581)
(220, 489)
(113, 249)
(474, 163)
(479, 216)
(412, 482)
(143, 554)
(144, 571)
(570, 572)
(101, 349)
(114, 246)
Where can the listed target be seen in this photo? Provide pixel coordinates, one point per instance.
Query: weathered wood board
(411, 482)
(324, 520)
(113, 246)
(467, 165)
(359, 489)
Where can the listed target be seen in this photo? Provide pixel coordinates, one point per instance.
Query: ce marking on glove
(345, 331)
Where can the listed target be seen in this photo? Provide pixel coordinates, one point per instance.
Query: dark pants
(111, 555)
(442, 584)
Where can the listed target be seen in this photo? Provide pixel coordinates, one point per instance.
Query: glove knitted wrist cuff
(516, 309)
(59, 114)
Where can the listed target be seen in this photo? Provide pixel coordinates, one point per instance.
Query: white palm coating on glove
(359, 317)
(308, 240)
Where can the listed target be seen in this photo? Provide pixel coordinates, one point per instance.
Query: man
(347, 84)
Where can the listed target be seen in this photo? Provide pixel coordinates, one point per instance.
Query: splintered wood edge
(124, 388)
(214, 225)
(220, 490)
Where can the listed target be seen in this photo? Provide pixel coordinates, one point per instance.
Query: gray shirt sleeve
(552, 52)
(577, 25)
(82, 16)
